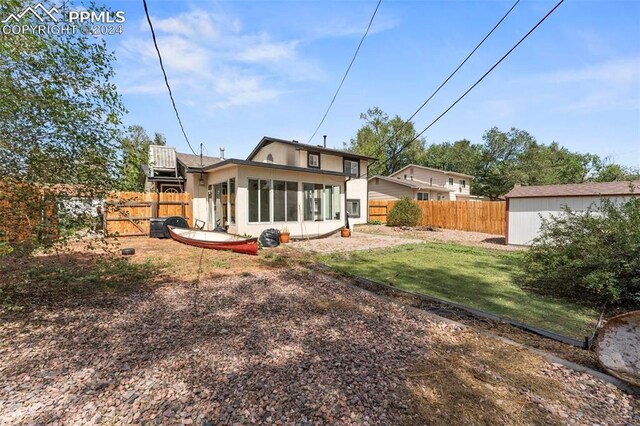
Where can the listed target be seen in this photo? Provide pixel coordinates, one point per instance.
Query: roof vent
(325, 140)
(222, 153)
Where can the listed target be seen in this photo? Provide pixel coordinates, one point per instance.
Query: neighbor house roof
(413, 184)
(576, 190)
(232, 161)
(446, 172)
(191, 161)
(303, 146)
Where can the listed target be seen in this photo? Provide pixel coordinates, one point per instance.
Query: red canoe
(214, 240)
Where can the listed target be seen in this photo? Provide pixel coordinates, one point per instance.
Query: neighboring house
(528, 205)
(166, 171)
(282, 183)
(422, 184)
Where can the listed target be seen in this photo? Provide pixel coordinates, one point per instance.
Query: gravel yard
(278, 346)
(477, 239)
(357, 241)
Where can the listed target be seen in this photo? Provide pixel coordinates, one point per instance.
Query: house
(422, 184)
(307, 188)
(528, 205)
(166, 171)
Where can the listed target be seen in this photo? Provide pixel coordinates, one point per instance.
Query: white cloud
(212, 61)
(604, 86)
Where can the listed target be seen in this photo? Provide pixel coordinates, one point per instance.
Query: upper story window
(351, 167)
(451, 181)
(313, 160)
(463, 183)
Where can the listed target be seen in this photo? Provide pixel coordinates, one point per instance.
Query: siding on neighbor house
(525, 214)
(435, 177)
(380, 189)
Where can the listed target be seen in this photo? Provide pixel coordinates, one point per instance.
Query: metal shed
(528, 205)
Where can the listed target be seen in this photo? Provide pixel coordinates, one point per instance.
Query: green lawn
(475, 277)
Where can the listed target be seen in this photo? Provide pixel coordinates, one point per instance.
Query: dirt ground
(477, 239)
(265, 340)
(357, 241)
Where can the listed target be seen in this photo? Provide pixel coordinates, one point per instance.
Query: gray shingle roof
(193, 161)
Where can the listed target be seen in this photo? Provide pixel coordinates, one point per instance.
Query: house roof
(446, 172)
(267, 140)
(239, 162)
(413, 184)
(576, 190)
(191, 161)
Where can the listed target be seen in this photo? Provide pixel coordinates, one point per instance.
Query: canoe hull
(239, 245)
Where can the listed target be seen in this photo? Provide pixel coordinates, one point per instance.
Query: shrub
(591, 256)
(405, 213)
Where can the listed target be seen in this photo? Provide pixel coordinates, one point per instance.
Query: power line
(347, 72)
(164, 73)
(480, 79)
(407, 121)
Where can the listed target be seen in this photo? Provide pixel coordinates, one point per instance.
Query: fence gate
(129, 214)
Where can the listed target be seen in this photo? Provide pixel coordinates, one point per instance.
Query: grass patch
(39, 280)
(476, 277)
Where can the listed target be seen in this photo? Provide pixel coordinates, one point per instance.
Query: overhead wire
(408, 120)
(404, 146)
(166, 80)
(344, 77)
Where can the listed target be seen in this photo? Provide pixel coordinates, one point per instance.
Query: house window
(285, 201)
(423, 196)
(463, 183)
(321, 202)
(259, 200)
(353, 208)
(313, 160)
(351, 167)
(331, 203)
(450, 181)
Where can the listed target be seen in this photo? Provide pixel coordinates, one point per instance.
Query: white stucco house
(528, 205)
(422, 184)
(306, 188)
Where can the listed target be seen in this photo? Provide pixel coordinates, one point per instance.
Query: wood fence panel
(476, 216)
(130, 213)
(27, 211)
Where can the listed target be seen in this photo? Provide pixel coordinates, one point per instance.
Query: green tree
(134, 146)
(387, 140)
(499, 167)
(59, 112)
(553, 164)
(608, 171)
(589, 256)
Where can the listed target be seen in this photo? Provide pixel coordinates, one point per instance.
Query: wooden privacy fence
(129, 214)
(475, 216)
(26, 211)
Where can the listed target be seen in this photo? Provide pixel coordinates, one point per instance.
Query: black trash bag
(270, 238)
(176, 222)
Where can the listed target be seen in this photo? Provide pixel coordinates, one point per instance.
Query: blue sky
(241, 70)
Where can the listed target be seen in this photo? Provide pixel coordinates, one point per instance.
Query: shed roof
(576, 190)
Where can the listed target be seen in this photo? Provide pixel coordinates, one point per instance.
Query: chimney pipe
(222, 153)
(325, 140)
